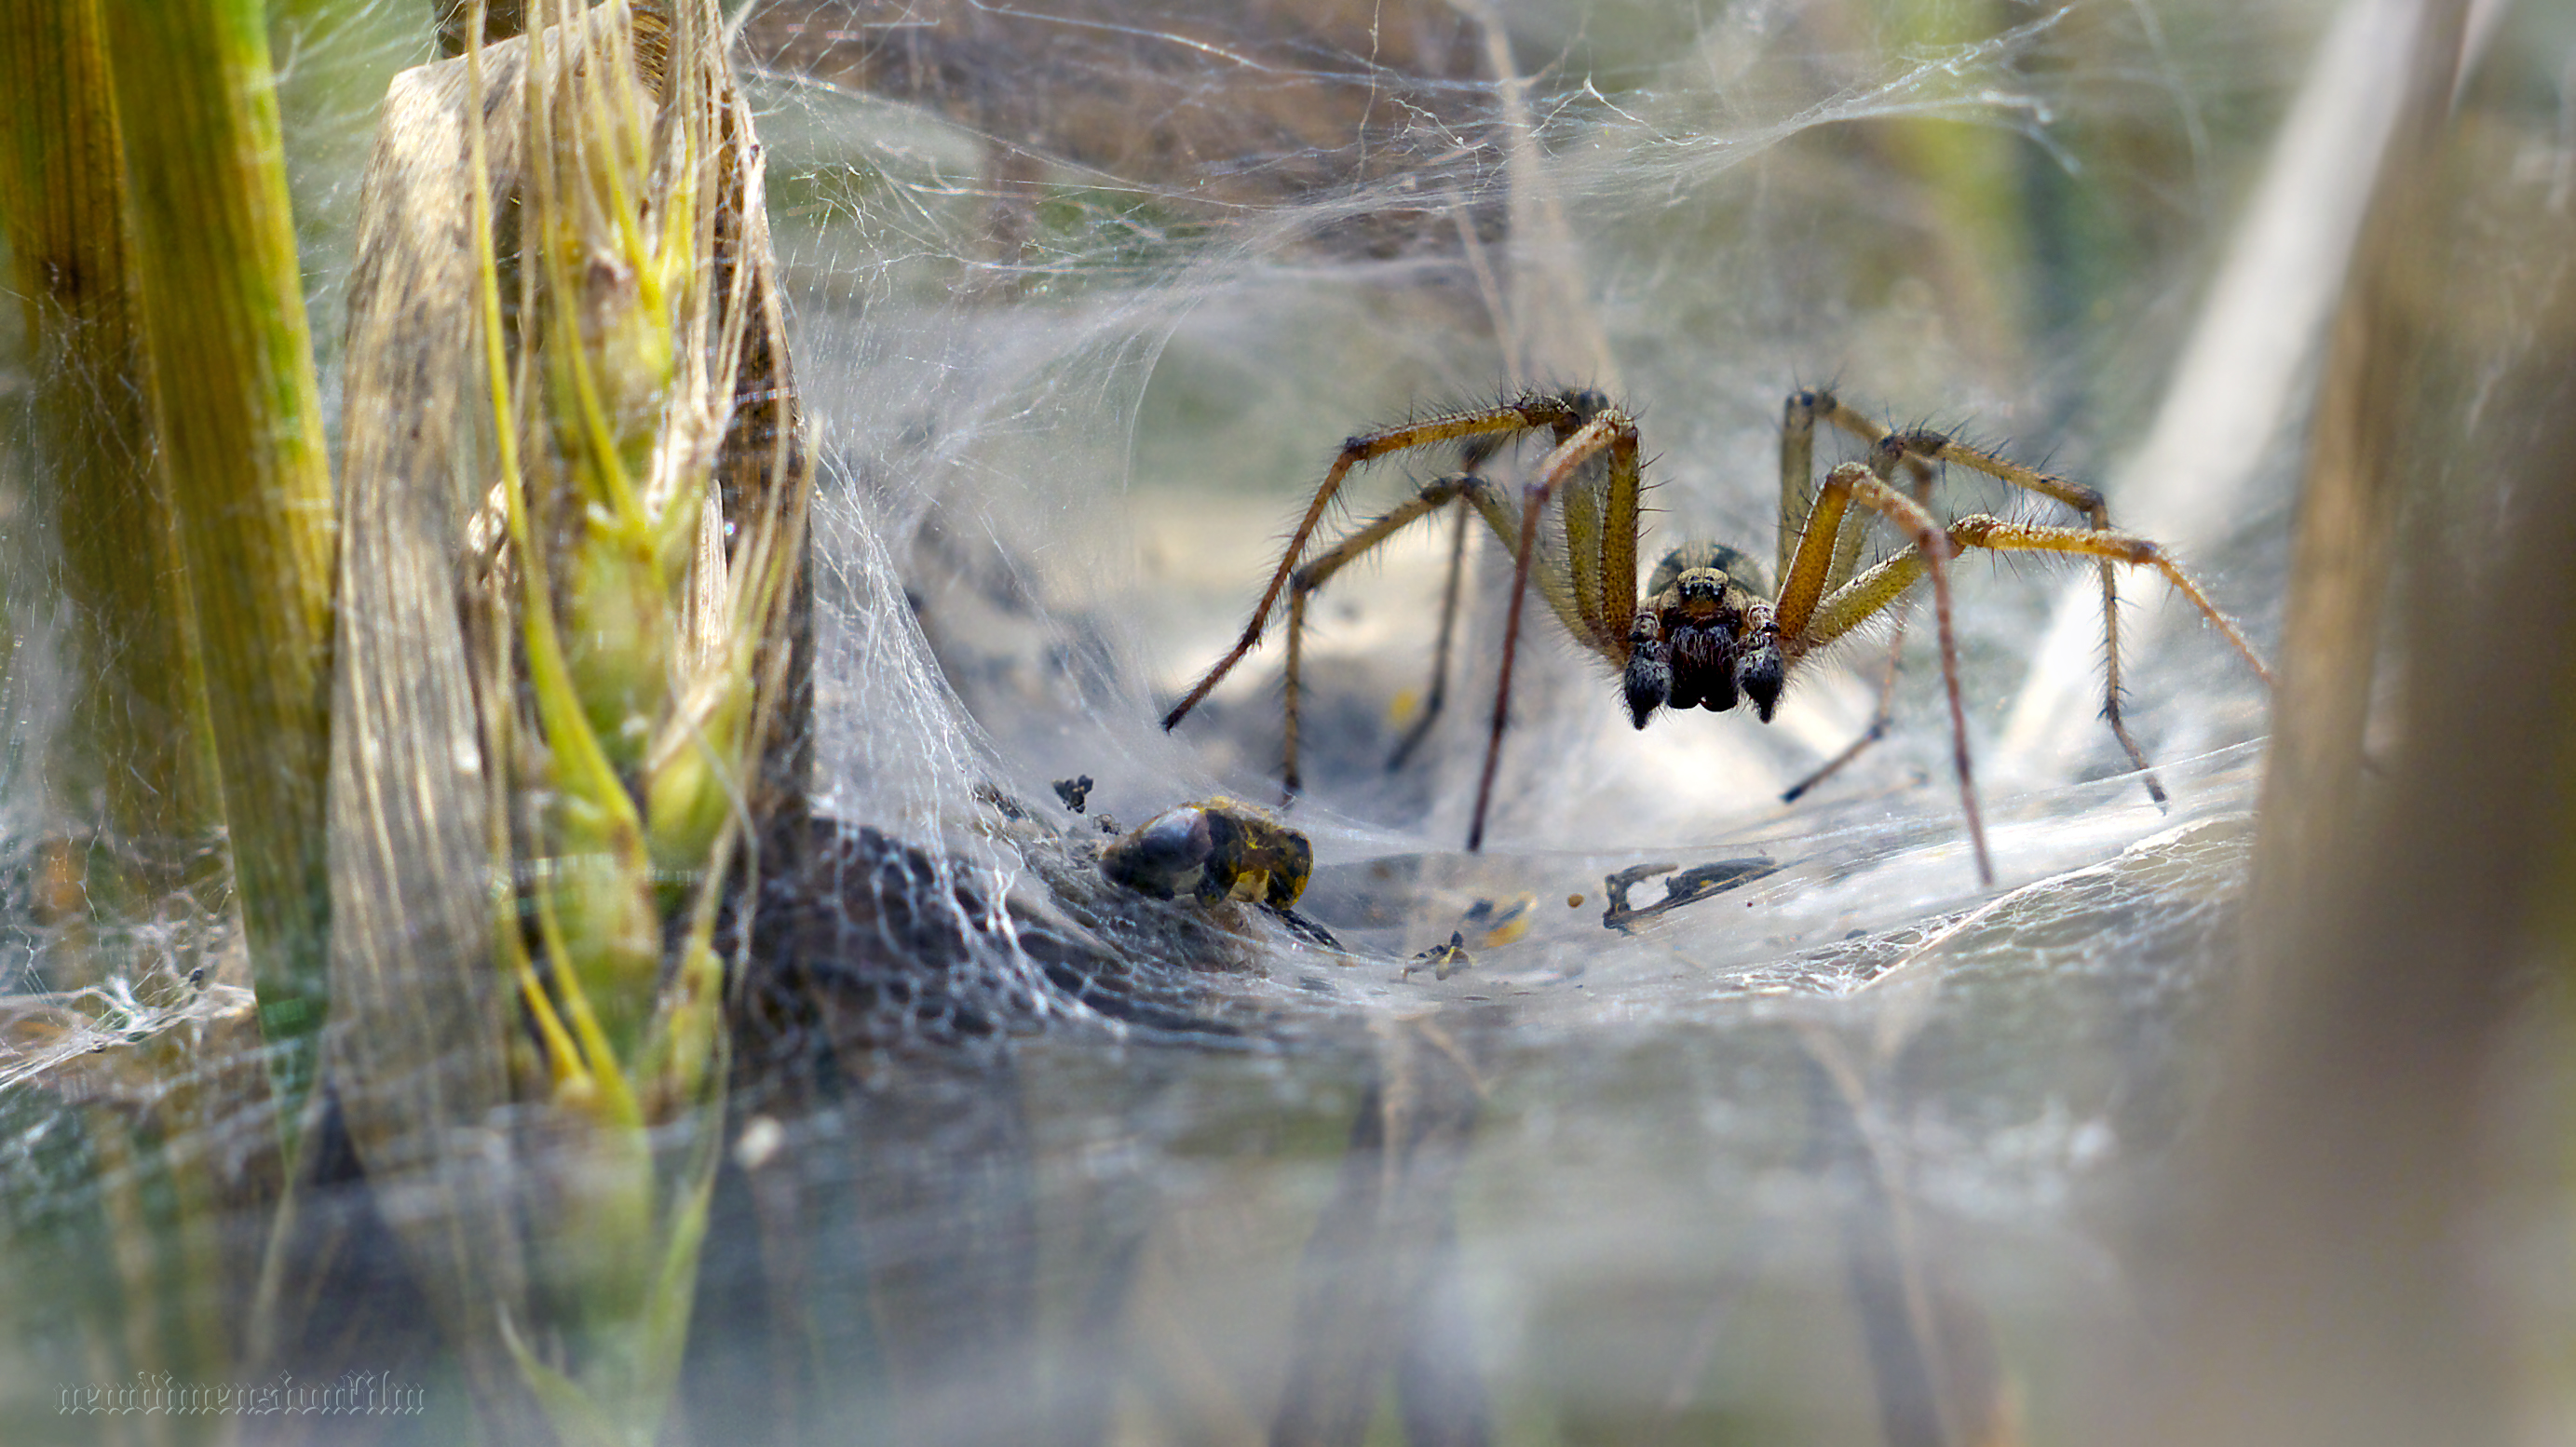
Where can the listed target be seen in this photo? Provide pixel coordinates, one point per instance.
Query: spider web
(1093, 334)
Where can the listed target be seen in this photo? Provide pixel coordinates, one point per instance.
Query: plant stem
(129, 774)
(241, 427)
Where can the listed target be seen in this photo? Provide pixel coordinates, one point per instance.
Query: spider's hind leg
(1437, 694)
(1878, 723)
(1318, 570)
(2111, 549)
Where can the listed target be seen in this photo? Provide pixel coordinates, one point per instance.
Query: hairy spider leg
(1601, 545)
(1882, 586)
(1797, 483)
(1920, 447)
(1599, 512)
(2089, 502)
(1798, 418)
(1879, 721)
(1524, 414)
(1437, 696)
(1981, 530)
(1600, 624)
(1796, 615)
(1434, 496)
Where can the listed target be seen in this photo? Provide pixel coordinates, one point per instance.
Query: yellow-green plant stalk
(240, 422)
(633, 746)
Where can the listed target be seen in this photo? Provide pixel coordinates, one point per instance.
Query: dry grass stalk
(2349, 505)
(141, 1034)
(2336, 1289)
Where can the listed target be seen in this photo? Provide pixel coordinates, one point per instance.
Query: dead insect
(1442, 960)
(1216, 849)
(1073, 792)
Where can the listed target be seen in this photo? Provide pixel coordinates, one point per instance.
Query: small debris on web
(1002, 803)
(1074, 791)
(1688, 887)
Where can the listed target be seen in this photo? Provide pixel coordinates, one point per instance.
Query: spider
(1706, 631)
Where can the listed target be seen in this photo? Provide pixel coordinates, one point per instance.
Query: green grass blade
(240, 420)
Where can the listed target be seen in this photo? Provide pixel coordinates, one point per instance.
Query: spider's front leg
(1819, 622)
(1809, 620)
(1799, 417)
(1533, 412)
(1940, 447)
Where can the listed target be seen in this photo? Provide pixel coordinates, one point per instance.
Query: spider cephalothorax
(1707, 632)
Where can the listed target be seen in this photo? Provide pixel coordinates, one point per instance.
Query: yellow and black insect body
(1215, 849)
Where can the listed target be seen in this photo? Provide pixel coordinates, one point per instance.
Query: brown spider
(1706, 631)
